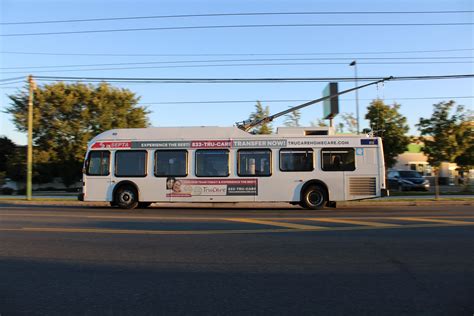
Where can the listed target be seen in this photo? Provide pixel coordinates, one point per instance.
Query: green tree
(465, 160)
(346, 122)
(349, 123)
(442, 133)
(67, 116)
(388, 123)
(321, 123)
(44, 170)
(7, 147)
(260, 113)
(318, 123)
(16, 167)
(292, 119)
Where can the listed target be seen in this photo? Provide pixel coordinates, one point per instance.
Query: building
(415, 159)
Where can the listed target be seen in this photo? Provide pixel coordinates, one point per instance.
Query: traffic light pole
(354, 63)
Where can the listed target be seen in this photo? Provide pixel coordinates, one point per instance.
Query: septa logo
(111, 145)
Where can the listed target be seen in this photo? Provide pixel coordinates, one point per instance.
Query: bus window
(130, 163)
(341, 159)
(171, 163)
(212, 163)
(98, 163)
(254, 162)
(296, 160)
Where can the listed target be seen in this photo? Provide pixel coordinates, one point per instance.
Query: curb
(245, 205)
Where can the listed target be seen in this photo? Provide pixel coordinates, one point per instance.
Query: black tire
(314, 198)
(143, 204)
(126, 197)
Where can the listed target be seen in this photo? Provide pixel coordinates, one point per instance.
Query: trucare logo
(211, 144)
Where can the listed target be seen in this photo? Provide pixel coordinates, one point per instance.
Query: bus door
(97, 175)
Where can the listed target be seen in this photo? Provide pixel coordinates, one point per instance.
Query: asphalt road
(60, 260)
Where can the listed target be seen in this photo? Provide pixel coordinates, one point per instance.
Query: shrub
(7, 191)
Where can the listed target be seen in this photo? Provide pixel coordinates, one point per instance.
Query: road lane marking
(219, 232)
(144, 232)
(432, 220)
(272, 223)
(351, 221)
(271, 218)
(109, 216)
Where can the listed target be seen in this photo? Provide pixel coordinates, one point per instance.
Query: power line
(235, 26)
(237, 54)
(237, 65)
(262, 100)
(347, 59)
(438, 77)
(236, 14)
(2, 84)
(5, 80)
(245, 80)
(295, 100)
(11, 87)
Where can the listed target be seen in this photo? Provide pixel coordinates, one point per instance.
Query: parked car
(407, 180)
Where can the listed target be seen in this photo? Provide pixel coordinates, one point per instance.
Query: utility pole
(354, 63)
(29, 157)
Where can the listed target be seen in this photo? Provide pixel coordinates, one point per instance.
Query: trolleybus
(313, 167)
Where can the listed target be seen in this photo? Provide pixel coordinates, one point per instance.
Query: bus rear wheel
(126, 197)
(314, 198)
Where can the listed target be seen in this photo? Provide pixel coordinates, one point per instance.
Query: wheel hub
(126, 197)
(315, 198)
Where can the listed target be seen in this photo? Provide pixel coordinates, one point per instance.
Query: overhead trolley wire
(224, 14)
(233, 65)
(243, 60)
(245, 80)
(237, 54)
(263, 100)
(293, 100)
(236, 26)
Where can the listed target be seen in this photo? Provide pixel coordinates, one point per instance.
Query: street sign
(330, 106)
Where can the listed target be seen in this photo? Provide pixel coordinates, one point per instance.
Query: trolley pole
(29, 157)
(354, 63)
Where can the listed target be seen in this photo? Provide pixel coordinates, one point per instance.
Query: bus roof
(210, 132)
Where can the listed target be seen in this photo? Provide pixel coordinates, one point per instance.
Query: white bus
(312, 167)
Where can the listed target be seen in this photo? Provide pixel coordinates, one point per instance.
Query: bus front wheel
(126, 197)
(314, 198)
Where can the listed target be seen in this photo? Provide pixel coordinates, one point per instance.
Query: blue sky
(330, 40)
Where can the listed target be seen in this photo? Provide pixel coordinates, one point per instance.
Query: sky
(343, 43)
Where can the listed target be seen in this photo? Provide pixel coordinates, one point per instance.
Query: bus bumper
(384, 193)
